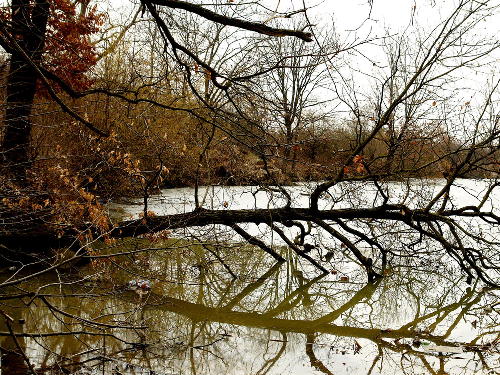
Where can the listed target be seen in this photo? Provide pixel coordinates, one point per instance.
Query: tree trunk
(289, 135)
(28, 29)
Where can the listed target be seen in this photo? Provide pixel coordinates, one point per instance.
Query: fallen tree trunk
(420, 223)
(424, 225)
(204, 217)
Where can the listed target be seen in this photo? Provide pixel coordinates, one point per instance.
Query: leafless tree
(294, 87)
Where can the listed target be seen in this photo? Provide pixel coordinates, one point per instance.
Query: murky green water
(422, 318)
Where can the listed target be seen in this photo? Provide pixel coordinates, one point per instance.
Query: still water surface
(422, 318)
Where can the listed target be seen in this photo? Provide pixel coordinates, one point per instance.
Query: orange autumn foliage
(68, 50)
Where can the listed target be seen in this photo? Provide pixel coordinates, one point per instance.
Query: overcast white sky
(357, 20)
(351, 14)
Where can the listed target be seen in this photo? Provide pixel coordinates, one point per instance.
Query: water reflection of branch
(68, 333)
(252, 286)
(212, 303)
(221, 261)
(377, 358)
(8, 321)
(461, 315)
(287, 303)
(87, 321)
(446, 309)
(315, 362)
(429, 367)
(271, 362)
(197, 312)
(364, 293)
(204, 324)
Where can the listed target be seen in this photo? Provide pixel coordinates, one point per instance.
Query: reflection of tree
(209, 324)
(252, 287)
(383, 339)
(315, 362)
(197, 312)
(12, 361)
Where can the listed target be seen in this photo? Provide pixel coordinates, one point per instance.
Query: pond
(272, 318)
